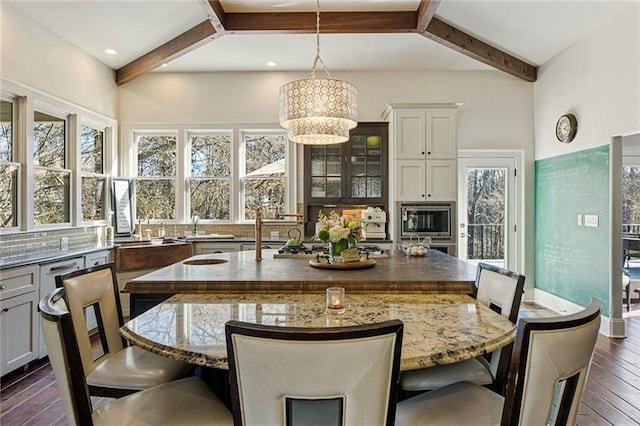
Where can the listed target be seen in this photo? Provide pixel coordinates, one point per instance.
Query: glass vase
(336, 248)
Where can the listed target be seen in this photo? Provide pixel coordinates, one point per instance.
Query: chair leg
(627, 289)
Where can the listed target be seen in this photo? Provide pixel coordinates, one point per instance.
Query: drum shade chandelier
(318, 111)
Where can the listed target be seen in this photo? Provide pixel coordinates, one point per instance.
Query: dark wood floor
(612, 395)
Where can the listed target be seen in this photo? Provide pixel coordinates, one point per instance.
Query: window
(155, 185)
(210, 182)
(93, 179)
(265, 177)
(8, 169)
(52, 179)
(631, 195)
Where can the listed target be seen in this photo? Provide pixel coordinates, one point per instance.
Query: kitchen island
(239, 272)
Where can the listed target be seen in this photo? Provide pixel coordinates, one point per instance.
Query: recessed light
(271, 64)
(110, 52)
(164, 65)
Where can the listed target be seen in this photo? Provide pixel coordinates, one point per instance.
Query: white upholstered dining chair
(181, 402)
(314, 376)
(501, 290)
(548, 372)
(121, 369)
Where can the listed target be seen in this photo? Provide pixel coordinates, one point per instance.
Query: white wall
(598, 79)
(38, 59)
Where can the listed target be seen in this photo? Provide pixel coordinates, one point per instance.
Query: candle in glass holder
(335, 300)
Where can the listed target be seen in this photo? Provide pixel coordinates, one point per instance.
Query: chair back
(500, 290)
(95, 287)
(549, 368)
(323, 376)
(64, 356)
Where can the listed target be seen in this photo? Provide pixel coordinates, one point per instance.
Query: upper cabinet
(423, 151)
(354, 172)
(423, 133)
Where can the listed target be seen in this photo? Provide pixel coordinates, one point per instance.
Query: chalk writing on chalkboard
(572, 260)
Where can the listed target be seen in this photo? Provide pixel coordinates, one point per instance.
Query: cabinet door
(441, 180)
(97, 258)
(440, 134)
(366, 166)
(19, 327)
(48, 275)
(410, 180)
(326, 172)
(409, 134)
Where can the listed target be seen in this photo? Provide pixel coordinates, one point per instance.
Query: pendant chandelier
(318, 111)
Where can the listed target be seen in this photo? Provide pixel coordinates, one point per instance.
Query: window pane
(631, 199)
(93, 190)
(48, 140)
(266, 193)
(51, 197)
(265, 182)
(210, 198)
(6, 131)
(156, 156)
(211, 155)
(155, 199)
(8, 195)
(91, 151)
(262, 151)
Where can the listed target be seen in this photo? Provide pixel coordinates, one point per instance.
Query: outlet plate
(579, 220)
(64, 243)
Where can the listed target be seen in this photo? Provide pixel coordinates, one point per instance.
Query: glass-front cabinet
(349, 175)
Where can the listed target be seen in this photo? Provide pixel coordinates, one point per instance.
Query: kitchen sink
(204, 261)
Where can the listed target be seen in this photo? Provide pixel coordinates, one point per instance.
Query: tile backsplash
(25, 246)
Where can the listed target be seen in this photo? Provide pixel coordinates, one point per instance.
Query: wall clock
(566, 128)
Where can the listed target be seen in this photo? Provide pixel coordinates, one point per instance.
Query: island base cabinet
(141, 303)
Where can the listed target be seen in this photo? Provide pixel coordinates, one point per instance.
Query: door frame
(516, 199)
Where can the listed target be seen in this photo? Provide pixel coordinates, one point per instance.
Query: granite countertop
(438, 328)
(240, 272)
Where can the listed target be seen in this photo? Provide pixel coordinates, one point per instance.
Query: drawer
(18, 281)
(97, 258)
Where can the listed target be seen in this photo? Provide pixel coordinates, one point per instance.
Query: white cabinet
(423, 145)
(421, 133)
(48, 273)
(19, 321)
(430, 180)
(212, 248)
(97, 258)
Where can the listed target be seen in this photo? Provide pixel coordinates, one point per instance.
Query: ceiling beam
(330, 22)
(421, 21)
(466, 44)
(182, 44)
(216, 14)
(426, 12)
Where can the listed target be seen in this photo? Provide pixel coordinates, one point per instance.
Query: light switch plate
(591, 220)
(64, 243)
(579, 220)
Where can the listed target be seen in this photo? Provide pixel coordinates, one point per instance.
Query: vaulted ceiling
(514, 36)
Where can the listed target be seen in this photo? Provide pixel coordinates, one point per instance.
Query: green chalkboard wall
(572, 261)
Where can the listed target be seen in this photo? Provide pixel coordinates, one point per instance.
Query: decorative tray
(323, 263)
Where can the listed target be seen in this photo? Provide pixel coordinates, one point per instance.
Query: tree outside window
(210, 182)
(8, 169)
(94, 181)
(265, 177)
(155, 186)
(631, 199)
(51, 180)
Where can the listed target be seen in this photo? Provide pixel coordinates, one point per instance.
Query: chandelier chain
(318, 58)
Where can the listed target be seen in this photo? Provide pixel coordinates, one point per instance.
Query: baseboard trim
(609, 327)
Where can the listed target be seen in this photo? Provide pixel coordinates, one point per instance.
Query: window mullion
(24, 150)
(73, 162)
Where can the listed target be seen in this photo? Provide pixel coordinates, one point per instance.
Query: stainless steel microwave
(427, 220)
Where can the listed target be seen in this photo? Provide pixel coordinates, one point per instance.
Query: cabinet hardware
(428, 152)
(61, 267)
(422, 153)
(5, 310)
(428, 195)
(2, 286)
